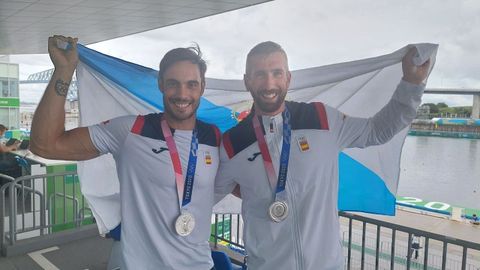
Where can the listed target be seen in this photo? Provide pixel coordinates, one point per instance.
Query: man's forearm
(397, 114)
(49, 138)
(49, 120)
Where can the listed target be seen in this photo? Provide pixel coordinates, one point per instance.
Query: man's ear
(289, 76)
(203, 87)
(160, 85)
(246, 82)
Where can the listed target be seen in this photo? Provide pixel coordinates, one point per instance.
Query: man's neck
(187, 124)
(258, 111)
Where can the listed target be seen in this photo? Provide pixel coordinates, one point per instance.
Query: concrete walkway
(89, 253)
(434, 224)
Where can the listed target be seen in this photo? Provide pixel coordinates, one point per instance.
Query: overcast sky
(316, 33)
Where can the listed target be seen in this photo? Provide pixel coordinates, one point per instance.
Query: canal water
(441, 170)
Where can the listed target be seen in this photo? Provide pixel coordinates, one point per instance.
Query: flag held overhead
(110, 87)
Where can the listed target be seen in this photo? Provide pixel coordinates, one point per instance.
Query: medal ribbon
(285, 154)
(183, 187)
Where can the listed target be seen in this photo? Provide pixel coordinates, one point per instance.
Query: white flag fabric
(109, 87)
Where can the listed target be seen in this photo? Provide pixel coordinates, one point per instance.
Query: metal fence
(228, 228)
(373, 244)
(44, 204)
(228, 231)
(40, 204)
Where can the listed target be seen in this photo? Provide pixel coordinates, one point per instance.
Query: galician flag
(109, 87)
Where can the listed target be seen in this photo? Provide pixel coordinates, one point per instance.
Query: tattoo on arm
(61, 87)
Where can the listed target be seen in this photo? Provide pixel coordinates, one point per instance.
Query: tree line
(442, 109)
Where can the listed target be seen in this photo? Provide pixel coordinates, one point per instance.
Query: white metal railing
(40, 204)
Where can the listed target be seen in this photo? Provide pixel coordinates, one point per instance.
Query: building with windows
(9, 94)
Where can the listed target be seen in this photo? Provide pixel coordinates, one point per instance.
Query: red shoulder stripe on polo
(227, 143)
(322, 115)
(138, 125)
(217, 134)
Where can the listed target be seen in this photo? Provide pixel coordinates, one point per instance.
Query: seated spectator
(475, 219)
(4, 148)
(8, 164)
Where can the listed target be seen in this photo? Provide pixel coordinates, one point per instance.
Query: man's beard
(267, 106)
(179, 116)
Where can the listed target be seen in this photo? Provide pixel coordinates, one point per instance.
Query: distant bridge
(460, 91)
(44, 77)
(453, 91)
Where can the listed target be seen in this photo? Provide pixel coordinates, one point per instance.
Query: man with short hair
(166, 162)
(284, 156)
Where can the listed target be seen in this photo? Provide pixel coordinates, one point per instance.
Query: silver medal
(278, 211)
(184, 224)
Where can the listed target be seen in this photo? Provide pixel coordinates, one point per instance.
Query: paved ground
(93, 253)
(435, 224)
(90, 253)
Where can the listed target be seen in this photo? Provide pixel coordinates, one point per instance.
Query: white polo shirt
(309, 238)
(149, 200)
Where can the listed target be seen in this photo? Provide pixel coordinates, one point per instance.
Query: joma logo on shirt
(255, 155)
(160, 150)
